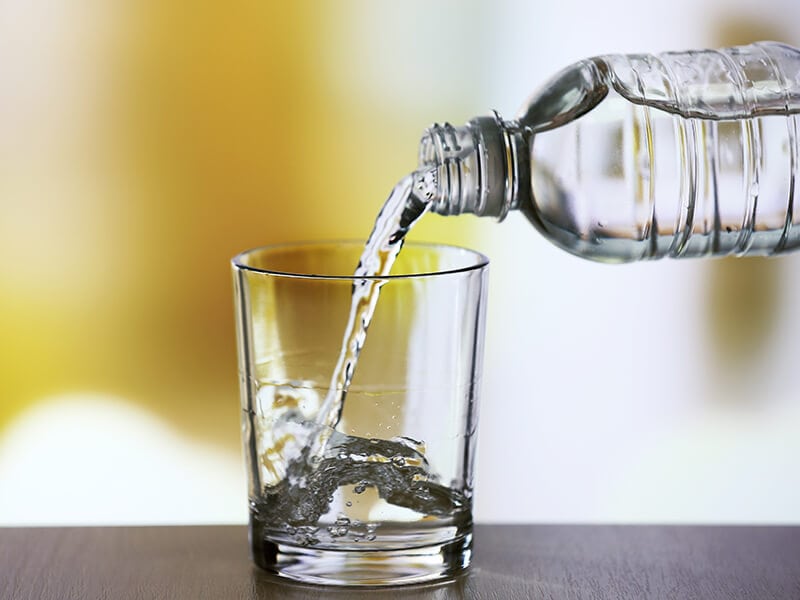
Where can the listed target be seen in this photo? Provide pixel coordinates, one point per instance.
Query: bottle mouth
(474, 167)
(442, 141)
(441, 154)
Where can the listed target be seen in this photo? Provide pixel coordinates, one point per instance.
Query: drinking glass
(377, 489)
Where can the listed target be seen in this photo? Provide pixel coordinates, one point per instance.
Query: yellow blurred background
(143, 144)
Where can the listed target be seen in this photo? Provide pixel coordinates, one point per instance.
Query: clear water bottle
(630, 157)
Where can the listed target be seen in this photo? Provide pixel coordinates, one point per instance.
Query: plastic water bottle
(630, 157)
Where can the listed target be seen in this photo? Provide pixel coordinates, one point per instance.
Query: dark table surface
(511, 561)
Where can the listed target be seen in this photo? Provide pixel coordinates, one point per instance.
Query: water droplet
(370, 537)
(399, 461)
(360, 487)
(348, 504)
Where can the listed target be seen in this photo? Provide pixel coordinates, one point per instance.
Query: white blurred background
(145, 143)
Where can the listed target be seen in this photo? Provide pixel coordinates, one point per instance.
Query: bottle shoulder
(570, 94)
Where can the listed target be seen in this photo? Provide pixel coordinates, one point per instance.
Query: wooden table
(511, 561)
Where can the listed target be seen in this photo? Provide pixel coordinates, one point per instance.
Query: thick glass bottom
(366, 567)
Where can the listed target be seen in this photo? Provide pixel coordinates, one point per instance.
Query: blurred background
(142, 144)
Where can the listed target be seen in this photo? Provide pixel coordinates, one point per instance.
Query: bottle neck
(481, 168)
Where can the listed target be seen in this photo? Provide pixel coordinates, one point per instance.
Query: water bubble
(348, 504)
(307, 530)
(360, 487)
(307, 539)
(337, 531)
(340, 527)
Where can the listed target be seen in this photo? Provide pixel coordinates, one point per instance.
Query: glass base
(366, 567)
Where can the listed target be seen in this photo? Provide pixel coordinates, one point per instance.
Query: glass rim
(481, 261)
